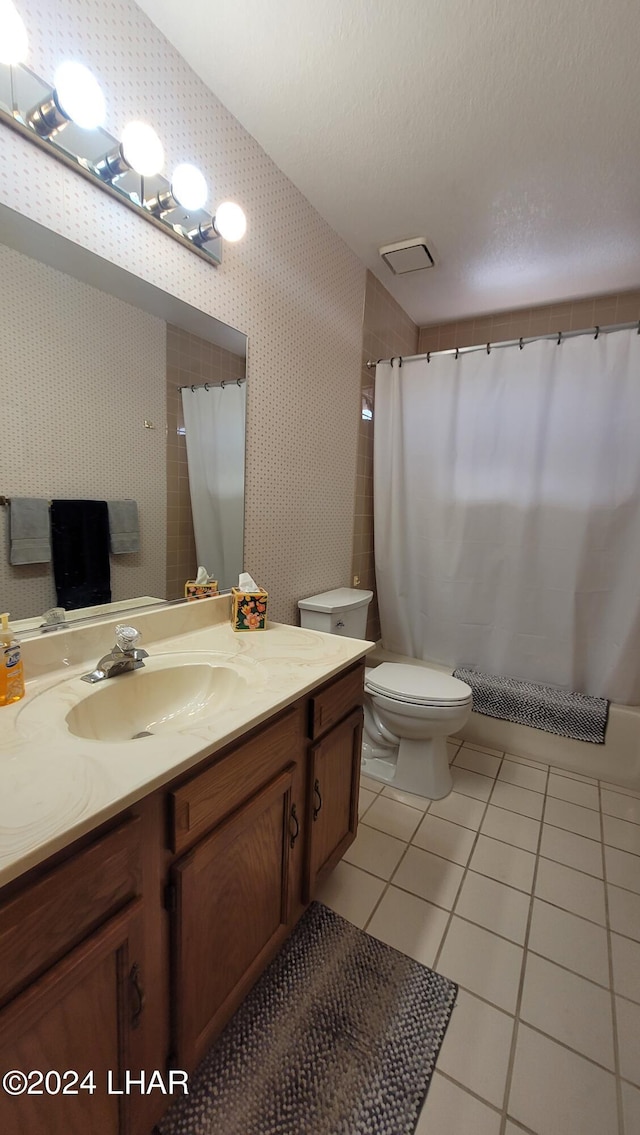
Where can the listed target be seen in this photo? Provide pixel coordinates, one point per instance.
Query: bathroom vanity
(131, 931)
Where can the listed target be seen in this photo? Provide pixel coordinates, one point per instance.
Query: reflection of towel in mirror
(30, 543)
(124, 533)
(80, 546)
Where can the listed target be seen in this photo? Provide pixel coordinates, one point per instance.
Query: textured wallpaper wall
(292, 284)
(75, 390)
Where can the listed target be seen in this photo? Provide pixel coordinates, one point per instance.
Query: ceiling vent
(407, 256)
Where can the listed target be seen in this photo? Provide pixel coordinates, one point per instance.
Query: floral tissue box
(193, 590)
(248, 610)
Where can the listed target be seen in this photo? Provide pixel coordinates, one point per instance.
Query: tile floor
(523, 885)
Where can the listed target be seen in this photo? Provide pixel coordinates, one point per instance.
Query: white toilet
(409, 710)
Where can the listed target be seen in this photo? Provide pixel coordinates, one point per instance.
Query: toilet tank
(342, 611)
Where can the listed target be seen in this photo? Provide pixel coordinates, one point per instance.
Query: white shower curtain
(507, 511)
(214, 427)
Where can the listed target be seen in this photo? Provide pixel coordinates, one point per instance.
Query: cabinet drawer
(334, 702)
(202, 802)
(52, 915)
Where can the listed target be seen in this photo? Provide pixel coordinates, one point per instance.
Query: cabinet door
(77, 1019)
(232, 912)
(333, 797)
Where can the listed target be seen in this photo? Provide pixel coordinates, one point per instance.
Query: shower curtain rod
(210, 385)
(559, 337)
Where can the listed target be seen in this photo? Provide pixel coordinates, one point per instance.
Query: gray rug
(567, 714)
(339, 1037)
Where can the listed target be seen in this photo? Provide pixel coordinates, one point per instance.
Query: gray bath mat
(562, 712)
(339, 1037)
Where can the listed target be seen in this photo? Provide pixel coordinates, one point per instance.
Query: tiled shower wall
(575, 315)
(190, 361)
(387, 330)
(292, 284)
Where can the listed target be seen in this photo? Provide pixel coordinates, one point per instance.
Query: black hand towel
(80, 547)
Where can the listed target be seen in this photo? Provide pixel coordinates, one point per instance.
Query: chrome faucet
(122, 657)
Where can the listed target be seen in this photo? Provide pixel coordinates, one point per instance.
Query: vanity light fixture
(13, 35)
(66, 119)
(76, 97)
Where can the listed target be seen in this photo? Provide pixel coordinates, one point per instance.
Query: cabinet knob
(137, 995)
(294, 817)
(316, 791)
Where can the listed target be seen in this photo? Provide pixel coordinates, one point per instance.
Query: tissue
(202, 587)
(248, 605)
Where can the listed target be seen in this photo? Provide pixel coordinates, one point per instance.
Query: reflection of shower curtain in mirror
(507, 511)
(214, 427)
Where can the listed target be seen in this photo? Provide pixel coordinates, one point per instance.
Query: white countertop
(55, 786)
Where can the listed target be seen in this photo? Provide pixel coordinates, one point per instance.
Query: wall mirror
(106, 382)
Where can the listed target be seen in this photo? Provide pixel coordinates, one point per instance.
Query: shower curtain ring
(597, 332)
(521, 342)
(488, 348)
(193, 389)
(457, 353)
(429, 352)
(206, 385)
(559, 338)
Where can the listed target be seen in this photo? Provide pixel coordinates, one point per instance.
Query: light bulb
(78, 95)
(189, 187)
(13, 34)
(142, 149)
(230, 221)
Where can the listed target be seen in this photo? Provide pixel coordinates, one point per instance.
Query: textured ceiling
(507, 132)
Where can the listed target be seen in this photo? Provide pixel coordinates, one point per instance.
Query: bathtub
(617, 761)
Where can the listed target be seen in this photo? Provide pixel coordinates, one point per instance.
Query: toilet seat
(416, 685)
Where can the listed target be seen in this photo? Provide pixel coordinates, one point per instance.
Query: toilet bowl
(409, 710)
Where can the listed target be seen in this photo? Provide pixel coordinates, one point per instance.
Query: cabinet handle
(294, 817)
(138, 997)
(316, 790)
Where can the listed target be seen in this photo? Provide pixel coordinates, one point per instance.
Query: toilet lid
(417, 684)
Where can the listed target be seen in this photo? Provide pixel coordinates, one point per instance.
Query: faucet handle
(127, 638)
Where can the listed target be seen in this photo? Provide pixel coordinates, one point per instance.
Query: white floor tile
(492, 905)
(573, 775)
(626, 967)
(375, 852)
(410, 798)
(451, 841)
(571, 890)
(449, 1110)
(432, 878)
(624, 912)
(511, 828)
(368, 782)
(574, 791)
(393, 818)
(351, 893)
(571, 941)
(516, 799)
(526, 761)
(621, 834)
(573, 817)
(409, 924)
(452, 749)
(482, 963)
(568, 1008)
(459, 810)
(525, 776)
(628, 1021)
(482, 749)
(476, 1049)
(555, 1092)
(471, 783)
(365, 798)
(572, 850)
(631, 1109)
(483, 763)
(624, 807)
(623, 869)
(507, 864)
(622, 788)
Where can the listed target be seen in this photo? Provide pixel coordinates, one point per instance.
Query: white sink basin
(150, 702)
(172, 693)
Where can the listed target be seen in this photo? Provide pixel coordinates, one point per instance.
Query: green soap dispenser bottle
(11, 673)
